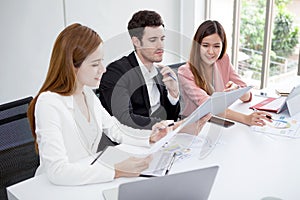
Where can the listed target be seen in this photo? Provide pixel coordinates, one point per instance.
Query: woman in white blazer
(67, 119)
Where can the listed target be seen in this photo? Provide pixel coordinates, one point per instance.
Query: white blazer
(61, 148)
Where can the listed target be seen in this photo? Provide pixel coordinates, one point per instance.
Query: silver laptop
(191, 185)
(279, 104)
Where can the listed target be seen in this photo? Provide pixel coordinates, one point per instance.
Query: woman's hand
(196, 127)
(258, 118)
(231, 86)
(132, 167)
(160, 130)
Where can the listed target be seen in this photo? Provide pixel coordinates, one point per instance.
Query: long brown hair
(71, 48)
(207, 28)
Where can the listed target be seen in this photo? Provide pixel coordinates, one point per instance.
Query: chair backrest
(14, 129)
(18, 159)
(176, 65)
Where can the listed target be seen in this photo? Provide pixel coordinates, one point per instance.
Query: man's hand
(170, 80)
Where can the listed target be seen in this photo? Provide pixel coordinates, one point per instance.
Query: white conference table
(252, 166)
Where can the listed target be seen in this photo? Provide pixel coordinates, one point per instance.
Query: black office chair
(176, 65)
(18, 159)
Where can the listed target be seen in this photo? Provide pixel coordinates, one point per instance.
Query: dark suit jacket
(124, 94)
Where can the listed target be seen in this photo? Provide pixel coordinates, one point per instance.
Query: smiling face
(211, 47)
(150, 48)
(91, 69)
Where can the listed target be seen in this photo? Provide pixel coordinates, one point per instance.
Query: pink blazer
(192, 95)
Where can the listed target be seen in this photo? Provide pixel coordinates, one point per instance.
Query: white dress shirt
(63, 145)
(153, 92)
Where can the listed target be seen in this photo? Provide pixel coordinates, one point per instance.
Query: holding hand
(258, 118)
(160, 130)
(170, 80)
(231, 86)
(132, 167)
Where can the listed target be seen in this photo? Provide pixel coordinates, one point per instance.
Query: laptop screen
(192, 185)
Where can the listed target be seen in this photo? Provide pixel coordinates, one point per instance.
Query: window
(264, 37)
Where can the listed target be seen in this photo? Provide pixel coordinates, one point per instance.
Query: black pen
(169, 125)
(147, 175)
(267, 116)
(97, 157)
(171, 163)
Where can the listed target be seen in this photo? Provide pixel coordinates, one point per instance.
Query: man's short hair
(140, 20)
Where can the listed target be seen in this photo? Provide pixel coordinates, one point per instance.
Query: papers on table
(162, 161)
(216, 104)
(160, 165)
(281, 126)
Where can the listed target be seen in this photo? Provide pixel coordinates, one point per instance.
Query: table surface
(252, 166)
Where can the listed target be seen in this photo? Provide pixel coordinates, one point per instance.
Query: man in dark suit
(136, 91)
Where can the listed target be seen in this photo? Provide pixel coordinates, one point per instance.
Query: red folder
(266, 106)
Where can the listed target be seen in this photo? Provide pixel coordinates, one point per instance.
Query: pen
(171, 163)
(169, 125)
(97, 157)
(146, 175)
(172, 76)
(267, 116)
(169, 74)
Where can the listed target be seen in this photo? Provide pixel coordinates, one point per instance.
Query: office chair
(176, 65)
(18, 159)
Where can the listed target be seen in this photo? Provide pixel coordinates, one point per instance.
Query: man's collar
(146, 73)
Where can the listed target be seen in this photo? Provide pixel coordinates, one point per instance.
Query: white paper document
(281, 126)
(216, 104)
(160, 165)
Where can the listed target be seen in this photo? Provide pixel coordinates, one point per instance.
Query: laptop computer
(192, 185)
(277, 104)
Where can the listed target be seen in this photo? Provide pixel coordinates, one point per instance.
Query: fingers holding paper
(231, 86)
(132, 167)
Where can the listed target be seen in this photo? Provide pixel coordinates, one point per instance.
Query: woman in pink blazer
(209, 70)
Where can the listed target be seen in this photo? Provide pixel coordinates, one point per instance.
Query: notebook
(277, 104)
(191, 185)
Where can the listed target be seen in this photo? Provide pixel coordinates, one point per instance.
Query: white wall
(30, 27)
(28, 31)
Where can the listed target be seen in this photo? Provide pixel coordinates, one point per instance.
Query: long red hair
(71, 48)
